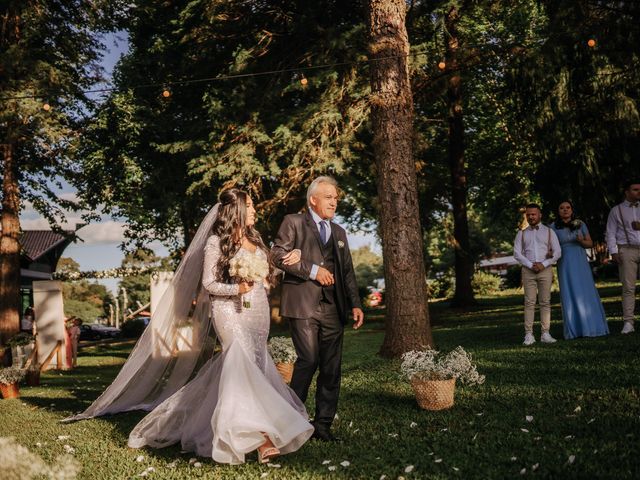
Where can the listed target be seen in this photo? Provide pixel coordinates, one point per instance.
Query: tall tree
(464, 262)
(48, 55)
(407, 318)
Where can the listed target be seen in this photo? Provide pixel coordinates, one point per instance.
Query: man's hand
(292, 257)
(325, 277)
(615, 257)
(537, 267)
(358, 318)
(244, 287)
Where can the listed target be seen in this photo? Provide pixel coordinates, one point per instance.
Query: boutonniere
(340, 244)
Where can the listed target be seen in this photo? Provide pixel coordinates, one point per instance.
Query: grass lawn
(583, 395)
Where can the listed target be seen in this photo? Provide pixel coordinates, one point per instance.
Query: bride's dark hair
(230, 226)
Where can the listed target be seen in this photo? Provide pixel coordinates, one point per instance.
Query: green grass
(583, 395)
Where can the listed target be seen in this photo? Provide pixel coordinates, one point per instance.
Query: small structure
(39, 255)
(497, 264)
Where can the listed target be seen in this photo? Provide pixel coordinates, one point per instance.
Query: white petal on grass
(537, 438)
(140, 459)
(444, 429)
(64, 437)
(351, 424)
(591, 421)
(332, 468)
(275, 465)
(356, 430)
(69, 449)
(197, 465)
(172, 464)
(393, 435)
(438, 460)
(523, 471)
(413, 424)
(456, 469)
(408, 469)
(572, 458)
(529, 418)
(578, 409)
(345, 463)
(326, 462)
(38, 444)
(474, 437)
(524, 430)
(513, 459)
(383, 477)
(264, 475)
(569, 437)
(534, 467)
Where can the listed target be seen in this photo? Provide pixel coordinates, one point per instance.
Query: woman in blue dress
(582, 311)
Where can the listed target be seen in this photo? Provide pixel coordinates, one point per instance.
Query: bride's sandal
(267, 451)
(267, 454)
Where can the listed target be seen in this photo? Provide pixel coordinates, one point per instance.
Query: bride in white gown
(238, 401)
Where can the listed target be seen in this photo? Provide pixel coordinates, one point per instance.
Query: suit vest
(328, 293)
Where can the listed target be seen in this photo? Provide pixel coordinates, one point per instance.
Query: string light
(442, 65)
(304, 81)
(46, 107)
(166, 93)
(591, 42)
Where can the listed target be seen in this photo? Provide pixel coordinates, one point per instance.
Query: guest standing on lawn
(582, 311)
(623, 242)
(536, 248)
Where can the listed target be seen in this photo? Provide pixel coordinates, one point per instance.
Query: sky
(100, 248)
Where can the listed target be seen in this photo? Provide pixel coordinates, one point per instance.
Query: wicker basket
(285, 370)
(434, 394)
(9, 391)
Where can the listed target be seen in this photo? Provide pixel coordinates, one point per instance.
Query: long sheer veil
(169, 350)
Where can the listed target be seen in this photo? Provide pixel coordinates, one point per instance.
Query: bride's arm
(210, 271)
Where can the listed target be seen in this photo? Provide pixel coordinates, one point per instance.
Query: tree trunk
(407, 318)
(9, 248)
(463, 260)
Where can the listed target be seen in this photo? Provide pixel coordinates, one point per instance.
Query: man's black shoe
(324, 435)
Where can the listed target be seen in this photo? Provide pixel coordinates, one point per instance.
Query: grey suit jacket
(300, 294)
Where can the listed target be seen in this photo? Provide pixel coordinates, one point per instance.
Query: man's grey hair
(314, 185)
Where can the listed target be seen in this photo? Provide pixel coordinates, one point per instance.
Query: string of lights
(166, 86)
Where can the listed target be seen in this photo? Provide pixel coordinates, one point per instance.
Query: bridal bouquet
(248, 268)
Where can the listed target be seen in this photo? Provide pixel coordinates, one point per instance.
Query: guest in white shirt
(537, 249)
(623, 242)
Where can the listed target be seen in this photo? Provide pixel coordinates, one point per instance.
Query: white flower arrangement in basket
(433, 376)
(429, 364)
(11, 375)
(248, 268)
(282, 350)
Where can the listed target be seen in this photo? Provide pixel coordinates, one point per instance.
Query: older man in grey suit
(319, 293)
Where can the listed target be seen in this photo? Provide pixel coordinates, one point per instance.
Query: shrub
(132, 328)
(513, 278)
(21, 339)
(484, 283)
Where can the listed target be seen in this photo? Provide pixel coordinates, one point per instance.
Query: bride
(237, 402)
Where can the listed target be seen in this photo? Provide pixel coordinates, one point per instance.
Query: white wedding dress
(238, 394)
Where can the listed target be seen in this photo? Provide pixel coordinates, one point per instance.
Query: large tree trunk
(407, 318)
(9, 248)
(463, 260)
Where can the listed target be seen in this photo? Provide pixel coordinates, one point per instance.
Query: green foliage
(368, 266)
(132, 328)
(83, 299)
(138, 287)
(19, 339)
(484, 283)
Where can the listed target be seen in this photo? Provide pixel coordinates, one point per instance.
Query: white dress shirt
(317, 220)
(615, 227)
(535, 246)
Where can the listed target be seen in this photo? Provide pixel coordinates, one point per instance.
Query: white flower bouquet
(282, 350)
(248, 268)
(11, 375)
(431, 365)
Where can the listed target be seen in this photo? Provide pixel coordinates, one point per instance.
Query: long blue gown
(582, 311)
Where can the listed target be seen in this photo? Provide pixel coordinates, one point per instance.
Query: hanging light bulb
(442, 65)
(46, 107)
(591, 42)
(166, 93)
